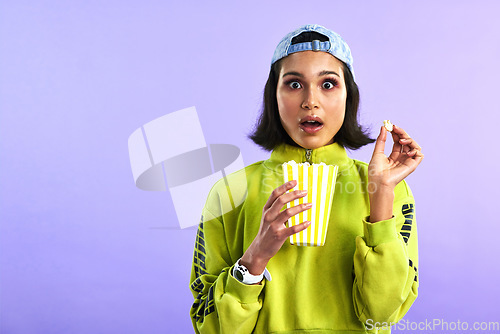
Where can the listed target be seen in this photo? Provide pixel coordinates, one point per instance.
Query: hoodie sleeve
(385, 264)
(222, 304)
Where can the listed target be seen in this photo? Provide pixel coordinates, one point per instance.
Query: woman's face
(311, 96)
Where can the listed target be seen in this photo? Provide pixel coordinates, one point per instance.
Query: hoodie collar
(333, 154)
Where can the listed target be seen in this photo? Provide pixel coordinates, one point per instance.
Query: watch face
(239, 275)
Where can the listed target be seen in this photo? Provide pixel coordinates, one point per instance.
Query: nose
(310, 101)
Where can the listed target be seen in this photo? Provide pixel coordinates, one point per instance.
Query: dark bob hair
(269, 132)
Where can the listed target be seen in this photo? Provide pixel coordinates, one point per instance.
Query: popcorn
(319, 180)
(388, 125)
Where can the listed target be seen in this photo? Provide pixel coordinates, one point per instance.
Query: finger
(400, 132)
(397, 148)
(419, 156)
(290, 212)
(297, 228)
(288, 197)
(283, 200)
(410, 143)
(413, 160)
(406, 142)
(416, 155)
(278, 192)
(380, 143)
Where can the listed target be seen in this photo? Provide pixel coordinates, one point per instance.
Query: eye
(330, 84)
(294, 84)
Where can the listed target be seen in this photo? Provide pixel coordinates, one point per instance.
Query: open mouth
(311, 126)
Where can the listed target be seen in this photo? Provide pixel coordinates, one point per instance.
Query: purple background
(82, 250)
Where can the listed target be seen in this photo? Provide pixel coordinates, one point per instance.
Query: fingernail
(303, 192)
(308, 205)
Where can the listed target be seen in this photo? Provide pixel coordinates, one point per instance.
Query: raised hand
(273, 231)
(384, 173)
(388, 171)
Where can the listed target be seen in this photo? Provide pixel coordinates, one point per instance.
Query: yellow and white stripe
(319, 181)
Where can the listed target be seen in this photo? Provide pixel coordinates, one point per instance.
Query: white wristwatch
(241, 273)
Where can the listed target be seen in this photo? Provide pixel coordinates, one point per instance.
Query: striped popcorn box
(319, 181)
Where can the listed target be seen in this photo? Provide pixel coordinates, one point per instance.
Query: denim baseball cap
(335, 45)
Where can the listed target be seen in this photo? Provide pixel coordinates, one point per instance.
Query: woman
(246, 276)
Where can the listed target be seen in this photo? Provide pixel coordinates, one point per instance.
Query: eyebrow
(322, 73)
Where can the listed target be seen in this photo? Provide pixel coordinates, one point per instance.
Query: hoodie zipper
(308, 155)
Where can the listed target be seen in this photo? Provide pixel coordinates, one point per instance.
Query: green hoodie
(364, 275)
